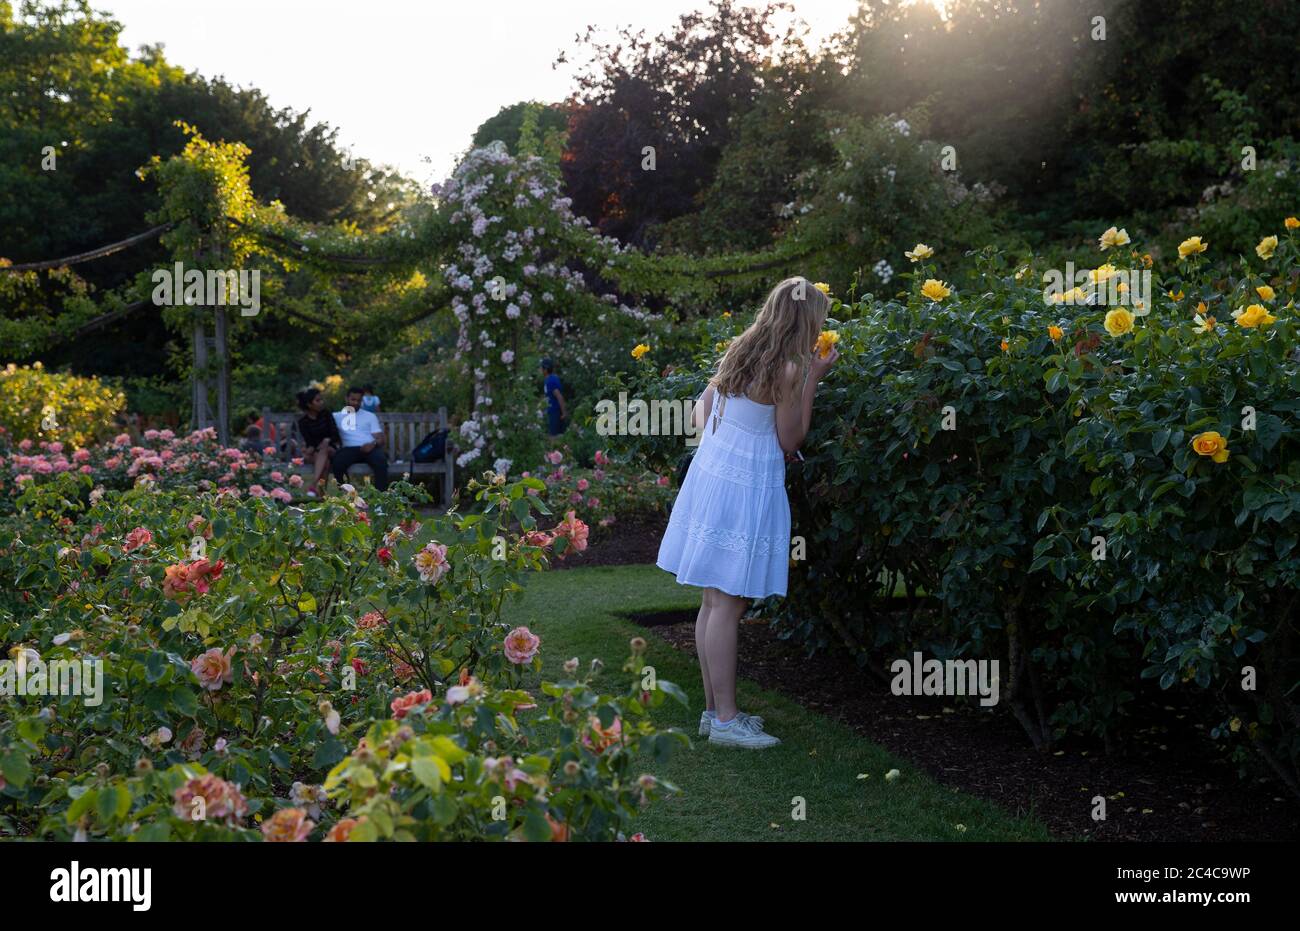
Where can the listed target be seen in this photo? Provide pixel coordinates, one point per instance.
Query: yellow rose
(1055, 332)
(639, 350)
(1102, 273)
(1119, 321)
(1204, 324)
(1201, 308)
(1113, 237)
(1253, 316)
(1005, 345)
(823, 287)
(726, 313)
(1211, 444)
(1266, 246)
(1265, 292)
(825, 341)
(934, 289)
(1191, 246)
(919, 251)
(1292, 223)
(1176, 295)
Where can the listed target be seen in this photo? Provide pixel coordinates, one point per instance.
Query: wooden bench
(401, 431)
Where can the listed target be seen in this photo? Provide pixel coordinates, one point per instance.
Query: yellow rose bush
(1106, 501)
(36, 404)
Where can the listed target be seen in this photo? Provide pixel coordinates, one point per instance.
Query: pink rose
(583, 484)
(137, 538)
(521, 645)
(221, 800)
(402, 706)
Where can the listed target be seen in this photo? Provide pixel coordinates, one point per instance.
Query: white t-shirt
(362, 432)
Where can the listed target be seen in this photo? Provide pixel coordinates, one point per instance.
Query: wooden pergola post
(202, 415)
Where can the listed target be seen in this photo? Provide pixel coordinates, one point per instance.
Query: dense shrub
(36, 404)
(977, 452)
(272, 664)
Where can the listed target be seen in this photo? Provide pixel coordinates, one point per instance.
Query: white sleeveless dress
(730, 526)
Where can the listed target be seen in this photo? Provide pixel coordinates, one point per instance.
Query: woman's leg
(322, 465)
(720, 648)
(701, 626)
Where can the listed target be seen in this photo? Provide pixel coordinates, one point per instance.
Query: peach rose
(213, 668)
(288, 825)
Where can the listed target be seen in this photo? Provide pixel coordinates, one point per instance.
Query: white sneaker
(706, 722)
(743, 733)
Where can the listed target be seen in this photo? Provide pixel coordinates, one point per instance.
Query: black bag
(683, 466)
(432, 448)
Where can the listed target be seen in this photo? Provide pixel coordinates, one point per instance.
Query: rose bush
(40, 405)
(603, 493)
(1093, 495)
(161, 460)
(250, 647)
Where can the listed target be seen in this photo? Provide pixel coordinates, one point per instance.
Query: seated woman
(320, 434)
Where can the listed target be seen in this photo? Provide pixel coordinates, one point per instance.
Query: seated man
(363, 441)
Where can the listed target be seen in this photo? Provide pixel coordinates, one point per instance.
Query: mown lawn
(739, 795)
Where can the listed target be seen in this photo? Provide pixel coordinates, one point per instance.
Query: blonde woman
(729, 532)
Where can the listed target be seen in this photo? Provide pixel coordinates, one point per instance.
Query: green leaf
(15, 767)
(428, 769)
(536, 828)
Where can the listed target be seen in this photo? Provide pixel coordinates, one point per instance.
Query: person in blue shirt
(556, 413)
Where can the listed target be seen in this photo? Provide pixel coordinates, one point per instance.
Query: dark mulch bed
(627, 542)
(1165, 769)
(1189, 796)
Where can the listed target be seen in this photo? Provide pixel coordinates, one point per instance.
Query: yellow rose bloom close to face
(1266, 247)
(1119, 321)
(1292, 223)
(1112, 238)
(1253, 316)
(919, 251)
(1191, 246)
(823, 287)
(1265, 292)
(639, 350)
(1211, 444)
(935, 290)
(1055, 332)
(825, 341)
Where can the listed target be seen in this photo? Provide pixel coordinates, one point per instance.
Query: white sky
(402, 80)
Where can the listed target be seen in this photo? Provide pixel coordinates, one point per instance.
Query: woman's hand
(819, 367)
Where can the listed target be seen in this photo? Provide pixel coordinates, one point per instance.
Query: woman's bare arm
(700, 413)
(794, 413)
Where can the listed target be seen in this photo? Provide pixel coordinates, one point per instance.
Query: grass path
(739, 795)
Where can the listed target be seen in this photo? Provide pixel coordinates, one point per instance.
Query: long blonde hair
(784, 331)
